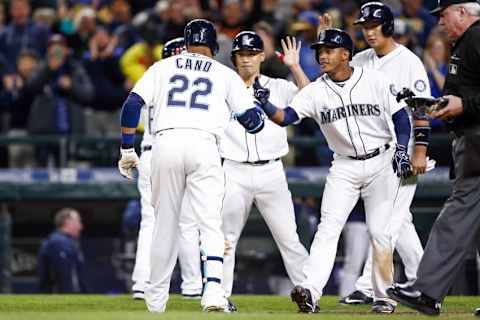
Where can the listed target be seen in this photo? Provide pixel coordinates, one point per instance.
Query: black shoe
(383, 307)
(356, 297)
(192, 296)
(414, 299)
(476, 312)
(303, 298)
(231, 306)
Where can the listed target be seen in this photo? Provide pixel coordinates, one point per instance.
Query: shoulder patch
(420, 85)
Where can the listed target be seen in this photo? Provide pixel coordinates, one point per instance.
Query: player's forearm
(402, 126)
(129, 119)
(282, 117)
(299, 76)
(421, 134)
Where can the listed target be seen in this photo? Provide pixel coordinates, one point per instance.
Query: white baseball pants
(408, 244)
(185, 161)
(266, 186)
(348, 179)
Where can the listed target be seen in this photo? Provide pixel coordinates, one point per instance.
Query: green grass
(95, 307)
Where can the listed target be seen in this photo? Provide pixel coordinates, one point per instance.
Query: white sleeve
(303, 103)
(145, 86)
(238, 97)
(389, 99)
(288, 90)
(419, 82)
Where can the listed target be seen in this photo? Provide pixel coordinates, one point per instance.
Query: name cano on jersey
(196, 65)
(332, 115)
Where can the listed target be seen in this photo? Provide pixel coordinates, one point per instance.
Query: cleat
(231, 306)
(356, 297)
(303, 298)
(383, 307)
(414, 299)
(138, 295)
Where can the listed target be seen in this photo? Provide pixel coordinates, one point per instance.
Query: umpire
(456, 227)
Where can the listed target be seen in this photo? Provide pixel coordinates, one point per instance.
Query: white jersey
(355, 118)
(146, 118)
(268, 144)
(403, 68)
(192, 91)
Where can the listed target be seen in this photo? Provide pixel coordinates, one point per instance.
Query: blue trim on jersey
(289, 116)
(403, 127)
(131, 110)
(252, 120)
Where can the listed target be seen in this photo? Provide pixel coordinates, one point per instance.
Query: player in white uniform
(189, 250)
(253, 169)
(404, 69)
(193, 98)
(361, 121)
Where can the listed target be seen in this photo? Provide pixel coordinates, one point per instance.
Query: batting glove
(401, 162)
(128, 161)
(260, 93)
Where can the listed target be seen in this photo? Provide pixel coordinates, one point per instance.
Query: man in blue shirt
(61, 264)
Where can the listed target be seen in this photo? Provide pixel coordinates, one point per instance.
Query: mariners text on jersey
(332, 115)
(195, 65)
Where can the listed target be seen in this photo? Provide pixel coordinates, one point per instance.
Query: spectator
(418, 18)
(404, 35)
(85, 25)
(272, 66)
(233, 18)
(3, 19)
(19, 99)
(62, 87)
(306, 25)
(61, 264)
(21, 33)
(102, 65)
(435, 58)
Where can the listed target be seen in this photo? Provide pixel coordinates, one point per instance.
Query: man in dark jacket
(60, 261)
(455, 229)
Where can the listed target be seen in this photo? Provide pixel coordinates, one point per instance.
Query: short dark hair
(265, 27)
(62, 216)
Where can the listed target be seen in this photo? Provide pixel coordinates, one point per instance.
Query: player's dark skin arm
(419, 156)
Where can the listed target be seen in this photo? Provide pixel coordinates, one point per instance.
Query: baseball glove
(421, 107)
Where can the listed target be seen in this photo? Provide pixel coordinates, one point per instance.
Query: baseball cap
(56, 38)
(443, 4)
(306, 20)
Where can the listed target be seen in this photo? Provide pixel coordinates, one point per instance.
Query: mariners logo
(420, 85)
(321, 37)
(247, 41)
(393, 91)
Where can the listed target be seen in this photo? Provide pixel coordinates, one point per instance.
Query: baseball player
(192, 97)
(404, 69)
(253, 169)
(365, 128)
(189, 251)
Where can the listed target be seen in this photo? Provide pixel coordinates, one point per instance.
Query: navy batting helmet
(170, 48)
(333, 38)
(246, 40)
(201, 32)
(377, 12)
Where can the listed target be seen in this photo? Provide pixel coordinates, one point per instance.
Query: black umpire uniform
(455, 229)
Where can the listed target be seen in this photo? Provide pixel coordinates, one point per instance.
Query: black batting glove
(260, 93)
(401, 162)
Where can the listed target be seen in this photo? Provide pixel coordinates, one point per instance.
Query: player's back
(191, 91)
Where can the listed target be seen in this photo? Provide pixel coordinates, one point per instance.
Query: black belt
(372, 154)
(146, 148)
(261, 162)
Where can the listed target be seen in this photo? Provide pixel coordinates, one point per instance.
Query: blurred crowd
(67, 65)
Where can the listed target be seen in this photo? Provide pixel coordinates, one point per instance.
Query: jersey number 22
(181, 83)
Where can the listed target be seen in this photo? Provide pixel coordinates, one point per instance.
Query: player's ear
(262, 56)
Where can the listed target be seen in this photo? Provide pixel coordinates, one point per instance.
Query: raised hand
(291, 51)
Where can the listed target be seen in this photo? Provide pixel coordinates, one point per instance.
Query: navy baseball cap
(443, 4)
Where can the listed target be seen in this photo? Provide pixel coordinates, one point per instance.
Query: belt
(146, 148)
(261, 162)
(372, 154)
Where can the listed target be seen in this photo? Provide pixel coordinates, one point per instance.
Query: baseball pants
(373, 180)
(185, 161)
(188, 237)
(408, 245)
(266, 186)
